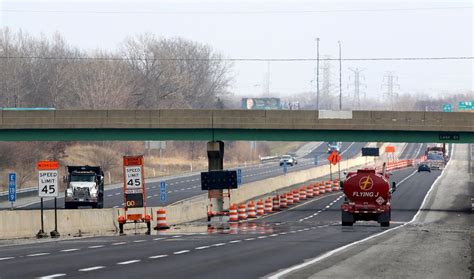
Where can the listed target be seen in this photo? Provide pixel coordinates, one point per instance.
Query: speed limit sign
(47, 179)
(134, 184)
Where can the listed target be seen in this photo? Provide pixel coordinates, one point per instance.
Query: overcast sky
(281, 29)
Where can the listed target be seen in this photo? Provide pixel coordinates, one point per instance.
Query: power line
(234, 12)
(244, 59)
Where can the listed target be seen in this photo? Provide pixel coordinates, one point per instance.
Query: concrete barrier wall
(26, 223)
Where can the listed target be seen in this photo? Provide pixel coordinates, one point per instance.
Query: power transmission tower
(390, 81)
(357, 84)
(267, 80)
(325, 100)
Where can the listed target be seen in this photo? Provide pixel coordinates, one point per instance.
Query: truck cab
(84, 187)
(334, 146)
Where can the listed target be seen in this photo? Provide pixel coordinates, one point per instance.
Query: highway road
(187, 186)
(251, 250)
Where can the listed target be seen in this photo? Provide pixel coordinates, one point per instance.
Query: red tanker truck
(367, 197)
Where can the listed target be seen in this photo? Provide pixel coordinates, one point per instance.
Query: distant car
(290, 160)
(424, 167)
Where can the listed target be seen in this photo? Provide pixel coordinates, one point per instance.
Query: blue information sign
(12, 187)
(447, 107)
(162, 191)
(239, 176)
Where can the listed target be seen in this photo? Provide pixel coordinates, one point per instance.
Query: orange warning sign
(47, 165)
(389, 149)
(334, 158)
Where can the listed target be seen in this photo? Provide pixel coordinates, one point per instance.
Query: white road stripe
(159, 238)
(202, 247)
(129, 262)
(249, 239)
(158, 256)
(91, 268)
(218, 244)
(6, 258)
(70, 250)
(176, 236)
(262, 237)
(140, 240)
(38, 254)
(95, 247)
(52, 276)
(235, 241)
(181, 252)
(119, 243)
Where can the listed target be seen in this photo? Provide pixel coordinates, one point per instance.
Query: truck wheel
(385, 224)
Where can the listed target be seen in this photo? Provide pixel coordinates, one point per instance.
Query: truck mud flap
(384, 219)
(347, 219)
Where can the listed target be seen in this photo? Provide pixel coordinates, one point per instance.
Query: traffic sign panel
(47, 183)
(162, 191)
(47, 165)
(12, 187)
(239, 176)
(134, 184)
(334, 158)
(447, 107)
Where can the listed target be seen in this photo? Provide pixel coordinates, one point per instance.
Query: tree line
(144, 72)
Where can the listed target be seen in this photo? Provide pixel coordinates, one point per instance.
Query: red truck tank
(367, 198)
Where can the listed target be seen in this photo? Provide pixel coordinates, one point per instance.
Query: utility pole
(391, 81)
(340, 76)
(357, 84)
(317, 74)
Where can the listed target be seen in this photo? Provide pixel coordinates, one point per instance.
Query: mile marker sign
(47, 178)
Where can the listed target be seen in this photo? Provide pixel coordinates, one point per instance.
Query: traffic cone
(322, 188)
(242, 212)
(268, 205)
(335, 186)
(309, 191)
(296, 196)
(316, 189)
(161, 220)
(276, 203)
(328, 187)
(260, 208)
(233, 217)
(303, 193)
(283, 201)
(289, 198)
(251, 210)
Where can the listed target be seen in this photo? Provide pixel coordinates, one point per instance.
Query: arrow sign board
(334, 158)
(48, 178)
(162, 191)
(12, 187)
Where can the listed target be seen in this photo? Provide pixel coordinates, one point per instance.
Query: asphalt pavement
(249, 250)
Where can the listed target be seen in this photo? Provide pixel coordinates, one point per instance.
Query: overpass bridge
(213, 125)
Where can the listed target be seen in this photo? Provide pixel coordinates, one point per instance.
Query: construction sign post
(48, 187)
(134, 192)
(334, 158)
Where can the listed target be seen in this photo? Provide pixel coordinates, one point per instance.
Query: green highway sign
(467, 105)
(449, 136)
(447, 107)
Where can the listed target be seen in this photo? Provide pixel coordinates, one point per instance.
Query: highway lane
(277, 241)
(187, 186)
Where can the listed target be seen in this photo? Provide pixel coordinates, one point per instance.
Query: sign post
(12, 188)
(48, 187)
(285, 167)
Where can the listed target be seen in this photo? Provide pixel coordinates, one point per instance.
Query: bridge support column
(215, 155)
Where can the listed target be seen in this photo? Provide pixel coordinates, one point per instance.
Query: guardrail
(269, 158)
(26, 192)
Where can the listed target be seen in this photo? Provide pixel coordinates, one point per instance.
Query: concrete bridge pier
(215, 155)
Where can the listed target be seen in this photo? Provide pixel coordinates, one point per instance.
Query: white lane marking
(37, 255)
(139, 241)
(202, 247)
(109, 195)
(235, 241)
(218, 244)
(95, 247)
(119, 243)
(159, 238)
(158, 256)
(149, 197)
(272, 235)
(176, 236)
(262, 237)
(52, 276)
(181, 252)
(170, 192)
(155, 195)
(249, 239)
(117, 194)
(283, 233)
(91, 268)
(6, 258)
(70, 250)
(332, 252)
(129, 262)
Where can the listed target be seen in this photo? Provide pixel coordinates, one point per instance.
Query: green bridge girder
(128, 134)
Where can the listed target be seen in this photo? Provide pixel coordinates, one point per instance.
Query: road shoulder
(435, 245)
